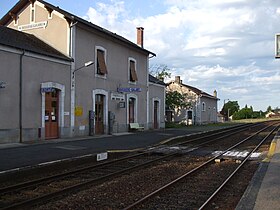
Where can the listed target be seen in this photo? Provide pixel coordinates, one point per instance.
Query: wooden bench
(135, 126)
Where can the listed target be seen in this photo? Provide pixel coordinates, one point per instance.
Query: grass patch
(254, 120)
(174, 125)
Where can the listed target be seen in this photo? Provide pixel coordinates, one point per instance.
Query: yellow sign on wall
(78, 111)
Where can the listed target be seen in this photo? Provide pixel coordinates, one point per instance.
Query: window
(32, 13)
(101, 68)
(203, 106)
(132, 71)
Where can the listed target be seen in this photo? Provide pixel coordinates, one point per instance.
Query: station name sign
(47, 90)
(33, 26)
(129, 90)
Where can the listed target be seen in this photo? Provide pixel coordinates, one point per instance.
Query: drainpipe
(72, 82)
(20, 96)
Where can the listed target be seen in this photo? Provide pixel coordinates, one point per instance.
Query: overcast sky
(227, 45)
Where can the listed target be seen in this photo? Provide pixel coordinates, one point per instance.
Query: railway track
(196, 189)
(26, 194)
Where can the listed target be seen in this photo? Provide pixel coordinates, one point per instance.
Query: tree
(175, 100)
(229, 108)
(269, 109)
(244, 113)
(161, 71)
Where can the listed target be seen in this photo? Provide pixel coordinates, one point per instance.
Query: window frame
(132, 60)
(203, 107)
(32, 13)
(97, 73)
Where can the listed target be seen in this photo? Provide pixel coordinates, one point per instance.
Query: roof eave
(77, 19)
(70, 17)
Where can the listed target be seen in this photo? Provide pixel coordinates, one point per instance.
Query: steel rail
(49, 196)
(236, 170)
(81, 185)
(143, 199)
(31, 183)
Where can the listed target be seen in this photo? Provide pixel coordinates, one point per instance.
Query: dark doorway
(131, 111)
(156, 107)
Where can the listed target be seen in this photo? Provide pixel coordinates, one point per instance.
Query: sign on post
(277, 46)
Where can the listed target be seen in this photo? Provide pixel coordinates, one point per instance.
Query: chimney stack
(177, 80)
(215, 94)
(140, 36)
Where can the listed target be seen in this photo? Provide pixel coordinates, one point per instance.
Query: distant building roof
(28, 42)
(196, 90)
(153, 79)
(70, 18)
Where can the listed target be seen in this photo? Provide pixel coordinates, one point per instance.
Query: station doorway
(99, 114)
(131, 110)
(51, 114)
(156, 115)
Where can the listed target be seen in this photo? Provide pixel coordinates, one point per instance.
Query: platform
(263, 193)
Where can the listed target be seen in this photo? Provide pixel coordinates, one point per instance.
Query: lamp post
(73, 91)
(87, 64)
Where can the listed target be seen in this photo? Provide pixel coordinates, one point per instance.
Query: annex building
(202, 108)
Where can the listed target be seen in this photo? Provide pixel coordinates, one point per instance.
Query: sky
(223, 45)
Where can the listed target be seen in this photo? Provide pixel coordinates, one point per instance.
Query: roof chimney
(177, 80)
(215, 94)
(140, 36)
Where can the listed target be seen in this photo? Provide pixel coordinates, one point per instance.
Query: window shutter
(133, 71)
(101, 61)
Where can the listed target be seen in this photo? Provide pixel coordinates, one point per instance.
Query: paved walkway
(23, 155)
(263, 193)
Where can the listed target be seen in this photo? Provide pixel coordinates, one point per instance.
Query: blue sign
(129, 90)
(47, 90)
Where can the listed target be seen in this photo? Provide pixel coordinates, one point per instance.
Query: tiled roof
(155, 80)
(197, 91)
(20, 40)
(6, 18)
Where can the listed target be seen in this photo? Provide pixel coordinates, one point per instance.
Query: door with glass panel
(51, 114)
(99, 114)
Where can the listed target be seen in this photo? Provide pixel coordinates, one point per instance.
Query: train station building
(79, 80)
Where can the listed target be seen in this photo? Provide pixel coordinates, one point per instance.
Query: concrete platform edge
(248, 200)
